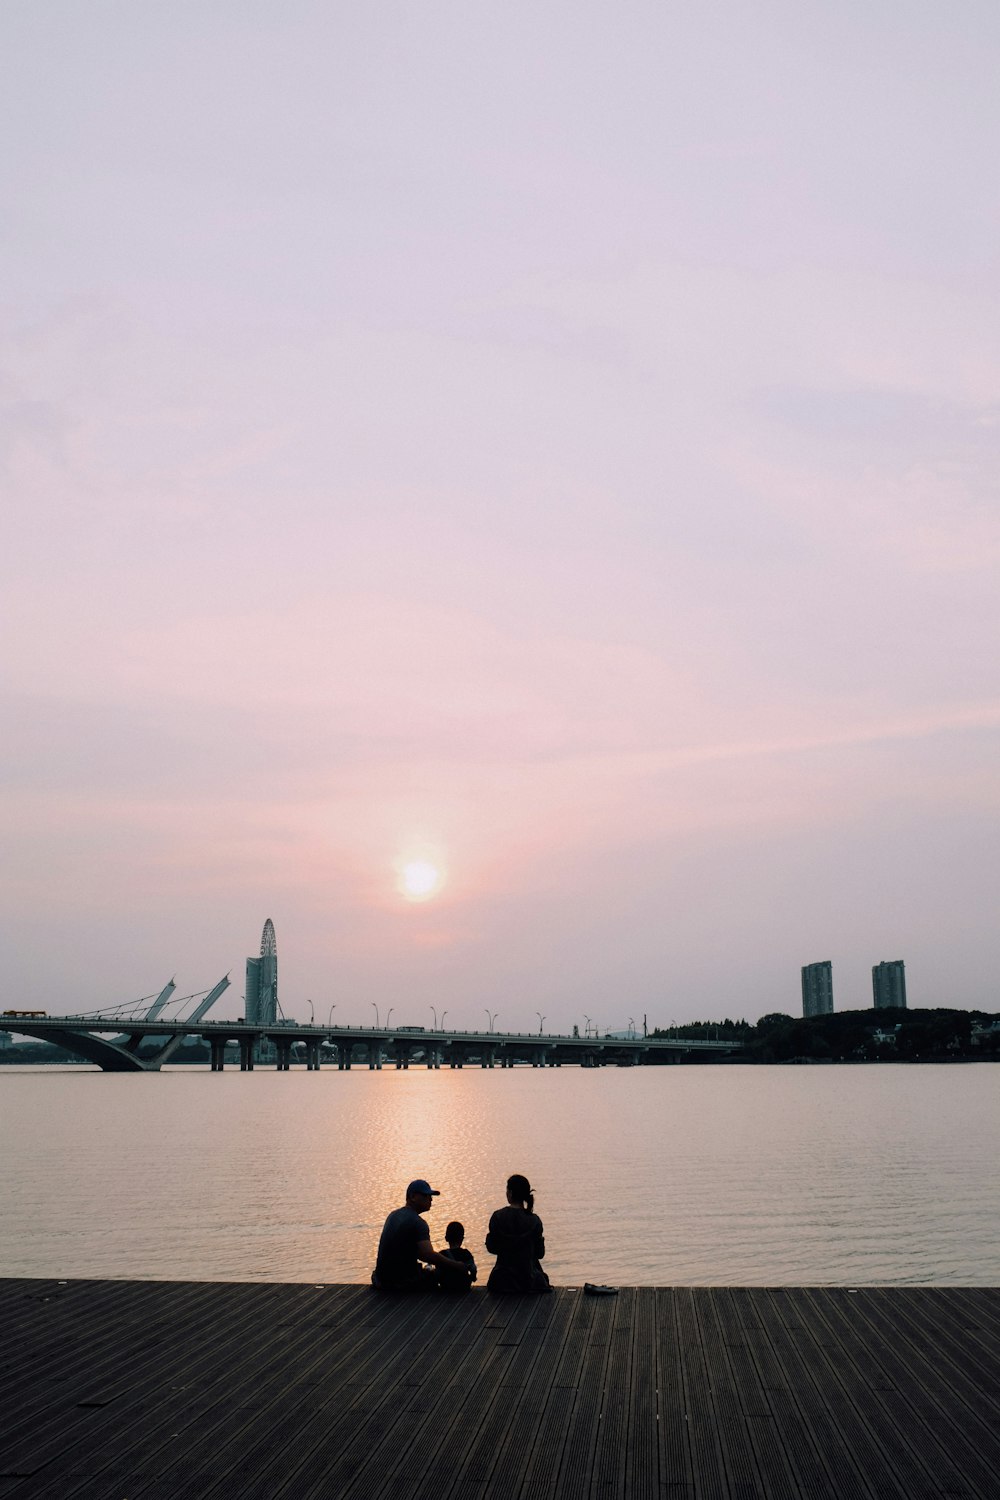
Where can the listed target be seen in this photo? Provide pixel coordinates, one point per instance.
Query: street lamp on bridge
(541, 1021)
(491, 1016)
(329, 1019)
(435, 1015)
(443, 1016)
(312, 1012)
(387, 1018)
(375, 1009)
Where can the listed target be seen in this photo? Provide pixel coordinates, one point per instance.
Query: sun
(419, 880)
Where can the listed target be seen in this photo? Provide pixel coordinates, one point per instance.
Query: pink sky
(558, 443)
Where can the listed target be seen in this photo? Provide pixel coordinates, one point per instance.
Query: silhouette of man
(405, 1242)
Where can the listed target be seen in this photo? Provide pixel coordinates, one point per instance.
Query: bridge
(113, 1041)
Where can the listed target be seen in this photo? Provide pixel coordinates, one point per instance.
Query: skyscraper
(262, 981)
(889, 985)
(817, 989)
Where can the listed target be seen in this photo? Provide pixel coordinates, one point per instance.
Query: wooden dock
(184, 1391)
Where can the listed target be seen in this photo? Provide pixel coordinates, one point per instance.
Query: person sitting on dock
(406, 1241)
(517, 1239)
(449, 1282)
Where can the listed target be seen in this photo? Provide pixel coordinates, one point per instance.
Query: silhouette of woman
(517, 1240)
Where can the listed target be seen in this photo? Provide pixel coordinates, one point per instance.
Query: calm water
(735, 1175)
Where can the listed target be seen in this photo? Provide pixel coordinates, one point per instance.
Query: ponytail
(519, 1188)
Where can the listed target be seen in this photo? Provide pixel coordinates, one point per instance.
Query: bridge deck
(144, 1391)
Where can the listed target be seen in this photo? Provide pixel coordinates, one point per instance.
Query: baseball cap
(421, 1185)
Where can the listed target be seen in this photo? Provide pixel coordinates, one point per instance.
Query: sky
(551, 446)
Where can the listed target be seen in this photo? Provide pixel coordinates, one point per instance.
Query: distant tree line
(934, 1035)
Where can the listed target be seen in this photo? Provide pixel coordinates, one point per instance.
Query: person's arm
(434, 1257)
(539, 1239)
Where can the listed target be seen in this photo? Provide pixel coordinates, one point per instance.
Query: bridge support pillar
(246, 1054)
(218, 1046)
(284, 1054)
(312, 1057)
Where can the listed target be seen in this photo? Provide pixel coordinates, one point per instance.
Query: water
(650, 1176)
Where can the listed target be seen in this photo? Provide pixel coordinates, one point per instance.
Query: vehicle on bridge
(23, 1015)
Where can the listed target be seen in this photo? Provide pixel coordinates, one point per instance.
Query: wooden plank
(330, 1365)
(969, 1367)
(517, 1443)
(37, 1440)
(610, 1454)
(743, 1475)
(979, 1304)
(965, 1335)
(763, 1384)
(516, 1408)
(373, 1435)
(642, 1449)
(834, 1411)
(229, 1363)
(935, 1398)
(434, 1460)
(674, 1464)
(543, 1462)
(707, 1457)
(576, 1468)
(65, 1328)
(825, 1460)
(481, 1407)
(772, 1452)
(425, 1400)
(866, 1374)
(91, 1350)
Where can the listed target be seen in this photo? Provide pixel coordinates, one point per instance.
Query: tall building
(262, 981)
(889, 985)
(817, 989)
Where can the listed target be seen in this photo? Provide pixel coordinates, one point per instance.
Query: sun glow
(419, 880)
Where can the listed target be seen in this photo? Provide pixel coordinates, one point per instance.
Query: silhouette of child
(454, 1235)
